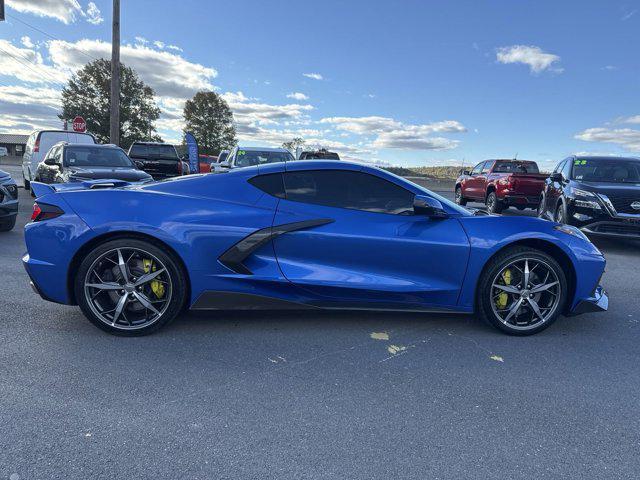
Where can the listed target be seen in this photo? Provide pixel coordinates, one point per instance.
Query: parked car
(302, 235)
(160, 160)
(8, 202)
(205, 162)
(4, 152)
(600, 195)
(71, 162)
(252, 156)
(40, 142)
(501, 184)
(321, 154)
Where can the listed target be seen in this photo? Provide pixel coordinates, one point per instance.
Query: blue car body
(337, 258)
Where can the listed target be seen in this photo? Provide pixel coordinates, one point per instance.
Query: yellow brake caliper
(156, 287)
(503, 297)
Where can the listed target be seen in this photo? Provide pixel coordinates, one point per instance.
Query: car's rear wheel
(130, 287)
(540, 209)
(522, 291)
(460, 200)
(27, 184)
(493, 204)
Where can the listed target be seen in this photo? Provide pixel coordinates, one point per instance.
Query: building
(13, 143)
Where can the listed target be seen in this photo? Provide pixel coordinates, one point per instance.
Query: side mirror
(51, 162)
(465, 172)
(425, 205)
(224, 164)
(557, 177)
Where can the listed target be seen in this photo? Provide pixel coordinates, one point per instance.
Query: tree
(293, 144)
(208, 117)
(88, 94)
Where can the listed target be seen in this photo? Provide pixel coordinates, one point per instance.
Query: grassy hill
(448, 172)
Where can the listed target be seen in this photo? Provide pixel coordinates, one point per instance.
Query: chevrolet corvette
(299, 235)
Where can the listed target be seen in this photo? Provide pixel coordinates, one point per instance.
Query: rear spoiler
(41, 189)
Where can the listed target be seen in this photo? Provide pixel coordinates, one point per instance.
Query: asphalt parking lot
(317, 395)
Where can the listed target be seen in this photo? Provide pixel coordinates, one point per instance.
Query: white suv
(39, 144)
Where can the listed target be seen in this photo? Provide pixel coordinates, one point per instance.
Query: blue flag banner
(192, 150)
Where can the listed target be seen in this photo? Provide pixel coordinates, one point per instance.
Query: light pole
(114, 127)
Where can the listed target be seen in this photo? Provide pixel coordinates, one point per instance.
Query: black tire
(460, 200)
(560, 214)
(521, 207)
(27, 184)
(540, 209)
(493, 204)
(7, 224)
(173, 268)
(495, 266)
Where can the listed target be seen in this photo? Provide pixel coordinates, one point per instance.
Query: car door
(46, 173)
(366, 246)
(483, 178)
(553, 188)
(472, 184)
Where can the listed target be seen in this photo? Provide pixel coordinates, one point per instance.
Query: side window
(487, 166)
(477, 169)
(346, 189)
(51, 153)
(566, 170)
(271, 183)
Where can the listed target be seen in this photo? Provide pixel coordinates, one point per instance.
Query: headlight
(583, 193)
(573, 231)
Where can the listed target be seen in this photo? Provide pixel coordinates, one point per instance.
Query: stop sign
(79, 125)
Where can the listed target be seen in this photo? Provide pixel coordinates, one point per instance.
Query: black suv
(322, 154)
(74, 162)
(8, 202)
(599, 195)
(160, 160)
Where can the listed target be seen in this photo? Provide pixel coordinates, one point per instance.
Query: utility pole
(115, 76)
(1, 10)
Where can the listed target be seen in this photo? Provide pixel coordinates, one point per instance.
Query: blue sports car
(299, 235)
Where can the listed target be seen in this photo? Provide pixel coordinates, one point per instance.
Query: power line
(53, 37)
(43, 72)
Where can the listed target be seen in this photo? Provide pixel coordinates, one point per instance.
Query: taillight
(36, 147)
(179, 167)
(45, 212)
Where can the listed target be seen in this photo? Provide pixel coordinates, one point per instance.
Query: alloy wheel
(525, 293)
(128, 288)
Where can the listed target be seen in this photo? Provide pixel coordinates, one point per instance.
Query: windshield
(96, 157)
(247, 158)
(516, 167)
(614, 170)
(153, 151)
(320, 156)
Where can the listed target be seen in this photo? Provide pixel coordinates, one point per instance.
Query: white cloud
(26, 42)
(297, 96)
(175, 48)
(628, 15)
(93, 14)
(26, 108)
(64, 10)
(610, 67)
(534, 57)
(250, 111)
(159, 44)
(167, 73)
(390, 133)
(627, 138)
(632, 119)
(141, 40)
(314, 76)
(27, 64)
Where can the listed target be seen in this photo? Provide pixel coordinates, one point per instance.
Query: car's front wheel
(460, 200)
(522, 291)
(7, 224)
(130, 287)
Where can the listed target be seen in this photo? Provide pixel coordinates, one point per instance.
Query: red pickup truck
(501, 184)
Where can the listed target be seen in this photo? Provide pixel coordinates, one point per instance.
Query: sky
(399, 82)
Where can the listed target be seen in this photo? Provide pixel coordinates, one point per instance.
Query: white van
(39, 144)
